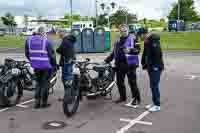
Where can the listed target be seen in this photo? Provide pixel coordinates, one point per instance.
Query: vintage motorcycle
(84, 84)
(15, 77)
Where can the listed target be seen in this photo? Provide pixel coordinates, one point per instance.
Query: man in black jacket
(152, 61)
(125, 65)
(67, 55)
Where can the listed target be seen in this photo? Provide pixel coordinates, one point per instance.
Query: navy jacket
(152, 54)
(67, 50)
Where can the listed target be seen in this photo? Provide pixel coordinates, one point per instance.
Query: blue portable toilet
(88, 40)
(107, 46)
(99, 39)
(78, 44)
(176, 25)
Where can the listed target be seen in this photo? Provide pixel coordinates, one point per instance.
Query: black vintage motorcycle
(15, 77)
(84, 84)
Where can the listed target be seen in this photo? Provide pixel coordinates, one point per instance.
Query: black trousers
(132, 80)
(42, 89)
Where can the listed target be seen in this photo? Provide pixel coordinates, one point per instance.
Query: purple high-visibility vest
(38, 53)
(129, 43)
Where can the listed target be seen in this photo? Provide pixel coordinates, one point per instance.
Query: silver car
(2, 31)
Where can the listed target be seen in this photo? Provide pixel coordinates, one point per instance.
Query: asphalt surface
(180, 104)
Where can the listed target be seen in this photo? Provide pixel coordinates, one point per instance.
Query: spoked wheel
(9, 94)
(71, 100)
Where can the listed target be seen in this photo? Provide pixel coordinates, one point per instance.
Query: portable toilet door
(99, 39)
(107, 46)
(88, 40)
(78, 44)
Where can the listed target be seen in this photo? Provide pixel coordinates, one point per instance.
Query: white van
(82, 25)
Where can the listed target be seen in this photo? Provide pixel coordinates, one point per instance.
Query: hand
(126, 51)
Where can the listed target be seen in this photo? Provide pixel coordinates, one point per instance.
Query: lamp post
(71, 17)
(96, 13)
(179, 7)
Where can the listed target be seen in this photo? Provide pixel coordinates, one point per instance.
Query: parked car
(2, 31)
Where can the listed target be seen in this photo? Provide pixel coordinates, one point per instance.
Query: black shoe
(45, 105)
(135, 103)
(18, 100)
(120, 100)
(37, 104)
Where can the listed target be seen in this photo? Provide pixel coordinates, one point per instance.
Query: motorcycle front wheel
(71, 100)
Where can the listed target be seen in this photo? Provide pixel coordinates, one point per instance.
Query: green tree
(119, 17)
(187, 11)
(9, 21)
(76, 17)
(102, 20)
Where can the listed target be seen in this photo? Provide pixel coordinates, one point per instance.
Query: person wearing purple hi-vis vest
(40, 53)
(126, 58)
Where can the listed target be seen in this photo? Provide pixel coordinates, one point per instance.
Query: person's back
(38, 53)
(67, 53)
(42, 56)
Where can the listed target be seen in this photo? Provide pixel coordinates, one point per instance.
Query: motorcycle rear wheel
(5, 99)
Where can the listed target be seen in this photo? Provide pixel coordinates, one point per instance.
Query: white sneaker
(154, 109)
(148, 106)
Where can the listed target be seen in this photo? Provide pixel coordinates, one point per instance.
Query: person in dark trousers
(67, 55)
(42, 56)
(125, 54)
(152, 61)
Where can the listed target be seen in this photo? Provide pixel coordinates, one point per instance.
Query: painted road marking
(29, 101)
(139, 122)
(22, 106)
(133, 122)
(2, 110)
(2, 50)
(19, 105)
(191, 77)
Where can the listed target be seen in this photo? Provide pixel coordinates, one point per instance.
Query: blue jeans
(67, 77)
(154, 76)
(67, 72)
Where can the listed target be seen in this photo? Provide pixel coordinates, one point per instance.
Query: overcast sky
(152, 9)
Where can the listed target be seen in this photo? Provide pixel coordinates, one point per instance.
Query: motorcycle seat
(100, 68)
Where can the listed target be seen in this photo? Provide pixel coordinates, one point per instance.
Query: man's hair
(123, 26)
(41, 30)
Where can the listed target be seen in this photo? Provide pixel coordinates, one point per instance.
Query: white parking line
(29, 101)
(19, 105)
(191, 77)
(2, 110)
(22, 106)
(139, 122)
(133, 122)
(2, 50)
